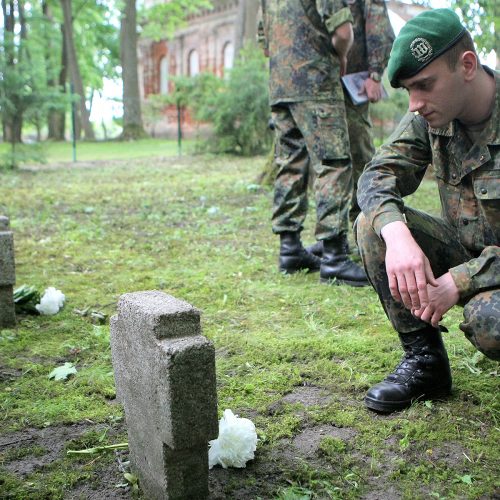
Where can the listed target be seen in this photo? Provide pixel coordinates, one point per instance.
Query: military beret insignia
(421, 49)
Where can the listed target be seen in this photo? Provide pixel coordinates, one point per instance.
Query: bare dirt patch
(33, 450)
(308, 396)
(50, 439)
(452, 454)
(308, 441)
(107, 483)
(261, 478)
(384, 492)
(9, 374)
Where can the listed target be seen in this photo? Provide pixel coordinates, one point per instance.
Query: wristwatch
(375, 76)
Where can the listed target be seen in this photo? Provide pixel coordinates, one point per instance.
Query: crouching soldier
(420, 265)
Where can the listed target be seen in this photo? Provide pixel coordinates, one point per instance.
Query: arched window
(227, 56)
(193, 63)
(164, 75)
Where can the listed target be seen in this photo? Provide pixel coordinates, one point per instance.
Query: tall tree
(132, 119)
(160, 21)
(13, 69)
(56, 70)
(24, 96)
(83, 121)
(33, 63)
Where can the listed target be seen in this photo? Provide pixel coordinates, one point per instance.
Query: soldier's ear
(469, 64)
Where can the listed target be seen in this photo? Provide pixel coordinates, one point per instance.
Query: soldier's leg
(290, 186)
(324, 128)
(362, 149)
(290, 192)
(437, 239)
(424, 371)
(481, 323)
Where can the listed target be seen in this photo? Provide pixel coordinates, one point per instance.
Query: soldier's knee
(360, 223)
(363, 231)
(481, 323)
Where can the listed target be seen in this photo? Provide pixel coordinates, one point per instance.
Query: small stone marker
(165, 378)
(7, 275)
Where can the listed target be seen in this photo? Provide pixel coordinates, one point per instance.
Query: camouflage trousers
(312, 134)
(440, 243)
(362, 149)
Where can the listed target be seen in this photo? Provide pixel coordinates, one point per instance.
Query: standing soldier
(308, 42)
(421, 266)
(373, 38)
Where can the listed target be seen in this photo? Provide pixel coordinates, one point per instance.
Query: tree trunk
(12, 129)
(12, 123)
(246, 24)
(4, 48)
(132, 119)
(83, 120)
(55, 117)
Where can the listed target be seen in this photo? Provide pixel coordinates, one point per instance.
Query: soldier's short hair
(464, 44)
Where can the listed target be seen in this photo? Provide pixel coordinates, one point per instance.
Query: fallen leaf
(62, 372)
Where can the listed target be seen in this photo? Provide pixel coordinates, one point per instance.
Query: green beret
(420, 41)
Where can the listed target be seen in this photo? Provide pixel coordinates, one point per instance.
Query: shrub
(238, 108)
(20, 153)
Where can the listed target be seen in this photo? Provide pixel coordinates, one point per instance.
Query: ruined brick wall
(203, 40)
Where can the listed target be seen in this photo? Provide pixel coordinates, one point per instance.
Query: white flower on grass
(213, 210)
(236, 443)
(51, 301)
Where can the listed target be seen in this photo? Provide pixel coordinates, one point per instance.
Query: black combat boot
(423, 373)
(293, 256)
(316, 249)
(336, 265)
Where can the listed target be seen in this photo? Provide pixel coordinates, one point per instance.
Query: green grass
(104, 150)
(199, 229)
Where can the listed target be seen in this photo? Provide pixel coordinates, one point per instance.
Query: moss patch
(294, 356)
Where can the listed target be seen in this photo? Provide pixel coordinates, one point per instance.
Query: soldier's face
(436, 93)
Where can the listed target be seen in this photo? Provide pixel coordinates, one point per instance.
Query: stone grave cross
(7, 275)
(165, 378)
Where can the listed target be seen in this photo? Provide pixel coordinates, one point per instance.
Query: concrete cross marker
(165, 378)
(7, 275)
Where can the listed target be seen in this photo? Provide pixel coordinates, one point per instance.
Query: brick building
(206, 43)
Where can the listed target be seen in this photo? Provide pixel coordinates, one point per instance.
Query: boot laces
(407, 367)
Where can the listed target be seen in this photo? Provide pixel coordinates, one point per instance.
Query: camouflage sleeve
(395, 171)
(379, 35)
(477, 275)
(262, 37)
(333, 13)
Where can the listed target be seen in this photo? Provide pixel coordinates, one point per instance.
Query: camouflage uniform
(465, 241)
(373, 37)
(308, 111)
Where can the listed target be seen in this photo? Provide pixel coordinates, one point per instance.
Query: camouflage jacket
(303, 63)
(373, 36)
(468, 178)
